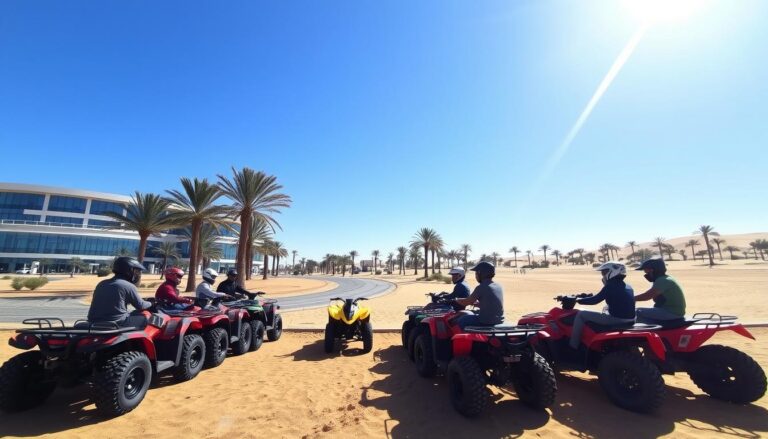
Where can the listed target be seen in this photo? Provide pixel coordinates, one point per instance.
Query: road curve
(69, 309)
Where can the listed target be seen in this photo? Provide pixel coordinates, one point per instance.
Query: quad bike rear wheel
(404, 332)
(411, 347)
(120, 384)
(631, 381)
(423, 356)
(243, 343)
(330, 338)
(216, 345)
(257, 335)
(728, 374)
(366, 332)
(192, 358)
(22, 384)
(534, 381)
(466, 383)
(277, 329)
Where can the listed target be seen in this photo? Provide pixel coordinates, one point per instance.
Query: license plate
(511, 358)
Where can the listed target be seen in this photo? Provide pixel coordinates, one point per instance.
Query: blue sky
(379, 118)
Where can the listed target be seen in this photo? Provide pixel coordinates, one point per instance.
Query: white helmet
(210, 274)
(612, 269)
(457, 270)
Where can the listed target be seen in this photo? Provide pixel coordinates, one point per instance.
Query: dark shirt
(619, 297)
(110, 298)
(460, 291)
(230, 287)
(491, 299)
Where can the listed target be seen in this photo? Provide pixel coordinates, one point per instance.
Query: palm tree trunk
(249, 256)
(433, 261)
(242, 245)
(426, 261)
(143, 237)
(266, 265)
(709, 252)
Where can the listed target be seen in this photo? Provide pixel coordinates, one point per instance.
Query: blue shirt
(619, 296)
(460, 290)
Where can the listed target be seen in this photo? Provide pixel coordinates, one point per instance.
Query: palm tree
(632, 245)
(660, 244)
(544, 248)
(401, 252)
(344, 261)
(258, 233)
(279, 252)
(466, 248)
(146, 214)
(352, 255)
(557, 254)
(515, 251)
(495, 257)
(426, 238)
(413, 254)
(717, 242)
(375, 255)
(266, 249)
(682, 253)
(253, 194)
(166, 250)
(754, 245)
(762, 244)
(580, 251)
(391, 262)
(528, 252)
(730, 249)
(303, 262)
(195, 206)
(706, 231)
(692, 244)
(293, 262)
(209, 250)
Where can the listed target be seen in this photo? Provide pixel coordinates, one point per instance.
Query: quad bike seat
(671, 324)
(623, 326)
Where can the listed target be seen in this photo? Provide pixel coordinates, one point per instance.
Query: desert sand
(291, 388)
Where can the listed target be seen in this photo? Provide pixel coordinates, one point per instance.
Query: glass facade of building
(99, 207)
(68, 244)
(67, 204)
(63, 220)
(12, 206)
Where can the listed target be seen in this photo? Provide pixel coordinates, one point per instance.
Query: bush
(153, 284)
(5, 277)
(142, 285)
(34, 283)
(17, 283)
(439, 277)
(103, 271)
(378, 272)
(596, 264)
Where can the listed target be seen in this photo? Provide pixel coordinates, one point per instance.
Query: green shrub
(378, 272)
(142, 285)
(153, 284)
(5, 277)
(34, 283)
(439, 277)
(17, 283)
(103, 271)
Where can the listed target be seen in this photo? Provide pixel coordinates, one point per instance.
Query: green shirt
(671, 298)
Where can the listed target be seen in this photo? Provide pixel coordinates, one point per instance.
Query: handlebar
(572, 296)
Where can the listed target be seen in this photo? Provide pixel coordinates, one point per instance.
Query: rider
(111, 295)
(204, 289)
(167, 293)
(229, 286)
(460, 289)
(668, 298)
(488, 296)
(617, 294)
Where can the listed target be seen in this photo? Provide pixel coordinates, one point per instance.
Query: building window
(99, 207)
(101, 223)
(12, 206)
(63, 220)
(66, 204)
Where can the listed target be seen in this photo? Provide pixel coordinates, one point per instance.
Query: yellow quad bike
(348, 321)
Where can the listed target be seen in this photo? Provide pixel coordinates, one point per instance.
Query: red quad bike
(471, 359)
(721, 371)
(118, 363)
(438, 305)
(626, 357)
(222, 328)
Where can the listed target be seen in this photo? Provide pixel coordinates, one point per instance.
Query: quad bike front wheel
(330, 338)
(216, 345)
(631, 381)
(423, 356)
(192, 358)
(121, 382)
(22, 384)
(404, 332)
(277, 329)
(466, 384)
(366, 333)
(257, 335)
(728, 374)
(534, 381)
(243, 343)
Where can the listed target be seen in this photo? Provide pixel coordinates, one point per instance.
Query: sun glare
(651, 11)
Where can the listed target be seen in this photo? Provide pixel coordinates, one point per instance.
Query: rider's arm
(134, 299)
(597, 298)
(472, 297)
(648, 295)
(208, 292)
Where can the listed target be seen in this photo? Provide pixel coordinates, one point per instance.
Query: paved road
(69, 309)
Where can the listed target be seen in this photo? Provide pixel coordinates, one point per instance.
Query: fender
(217, 320)
(149, 347)
(741, 330)
(364, 313)
(462, 343)
(334, 312)
(654, 341)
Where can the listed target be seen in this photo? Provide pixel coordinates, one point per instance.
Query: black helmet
(484, 269)
(656, 265)
(123, 267)
(232, 272)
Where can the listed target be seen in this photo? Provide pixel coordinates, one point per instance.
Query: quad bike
(118, 363)
(348, 321)
(410, 330)
(721, 371)
(473, 358)
(625, 356)
(222, 328)
(264, 317)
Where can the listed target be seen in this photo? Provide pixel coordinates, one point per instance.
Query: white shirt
(204, 290)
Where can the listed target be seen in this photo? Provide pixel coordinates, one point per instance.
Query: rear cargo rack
(712, 319)
(44, 321)
(508, 331)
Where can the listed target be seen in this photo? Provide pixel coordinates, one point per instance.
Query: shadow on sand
(410, 399)
(315, 351)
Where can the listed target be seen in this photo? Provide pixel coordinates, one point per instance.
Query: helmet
(210, 274)
(174, 274)
(612, 269)
(124, 267)
(484, 270)
(457, 270)
(656, 265)
(232, 272)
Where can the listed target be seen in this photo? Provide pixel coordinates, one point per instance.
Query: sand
(291, 388)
